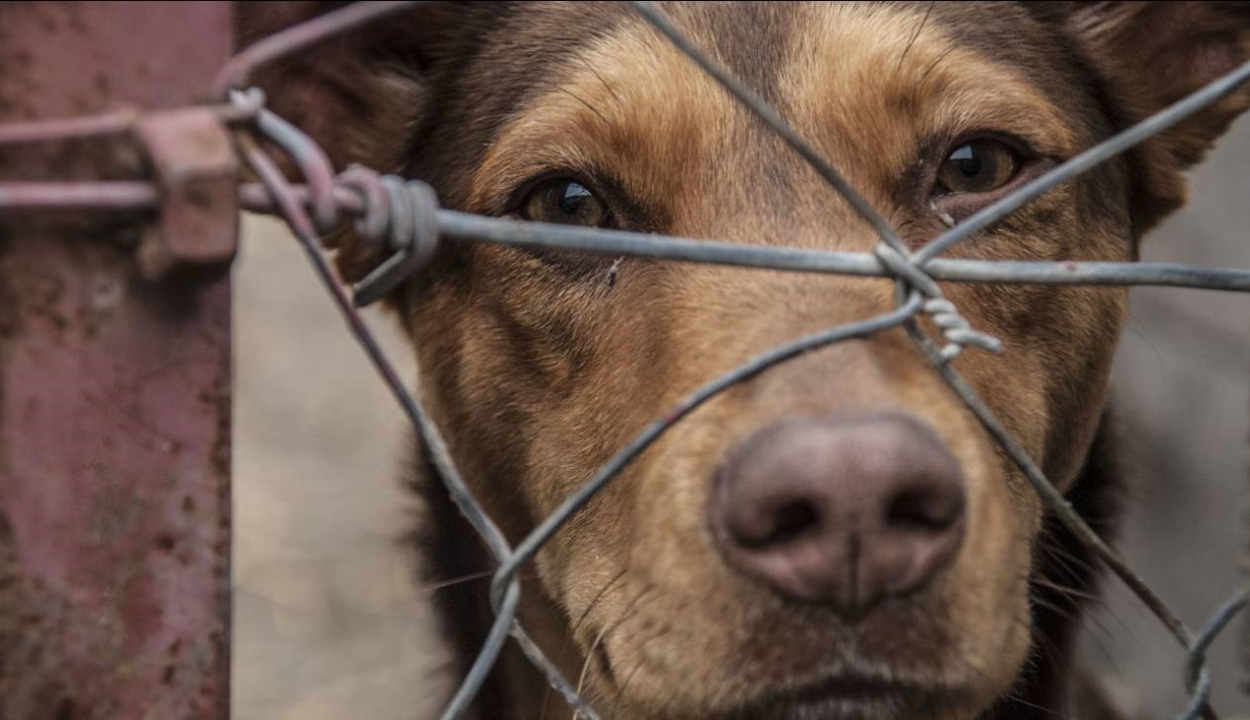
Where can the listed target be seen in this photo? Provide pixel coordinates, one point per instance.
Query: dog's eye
(979, 166)
(564, 201)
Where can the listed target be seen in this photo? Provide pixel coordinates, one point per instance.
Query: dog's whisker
(568, 638)
(1041, 644)
(1073, 567)
(640, 640)
(1066, 591)
(1092, 620)
(429, 588)
(603, 592)
(1103, 648)
(1017, 699)
(607, 629)
(1065, 612)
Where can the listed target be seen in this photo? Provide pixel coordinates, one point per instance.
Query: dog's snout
(845, 511)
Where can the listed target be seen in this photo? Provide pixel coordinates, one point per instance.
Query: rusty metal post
(114, 384)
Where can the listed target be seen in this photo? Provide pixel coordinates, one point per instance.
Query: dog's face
(837, 536)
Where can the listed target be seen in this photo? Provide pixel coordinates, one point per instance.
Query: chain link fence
(404, 216)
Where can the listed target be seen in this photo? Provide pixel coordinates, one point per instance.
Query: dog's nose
(845, 511)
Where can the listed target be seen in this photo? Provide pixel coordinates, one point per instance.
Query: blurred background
(330, 624)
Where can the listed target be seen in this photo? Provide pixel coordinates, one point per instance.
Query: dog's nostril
(924, 509)
(790, 521)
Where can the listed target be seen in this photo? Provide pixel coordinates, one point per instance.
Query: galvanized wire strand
(464, 226)
(314, 165)
(120, 196)
(505, 623)
(1198, 675)
(1245, 628)
(110, 123)
(138, 196)
(528, 547)
(1085, 161)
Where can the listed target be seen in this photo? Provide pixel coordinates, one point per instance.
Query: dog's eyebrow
(606, 86)
(934, 65)
(583, 101)
(915, 36)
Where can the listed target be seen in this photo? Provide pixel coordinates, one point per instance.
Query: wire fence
(404, 216)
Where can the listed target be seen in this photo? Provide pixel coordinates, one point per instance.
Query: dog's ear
(354, 90)
(359, 94)
(1153, 54)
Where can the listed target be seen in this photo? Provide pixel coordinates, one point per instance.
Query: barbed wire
(405, 217)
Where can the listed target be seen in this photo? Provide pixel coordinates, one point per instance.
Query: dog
(837, 537)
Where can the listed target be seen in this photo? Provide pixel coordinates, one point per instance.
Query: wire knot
(955, 328)
(404, 213)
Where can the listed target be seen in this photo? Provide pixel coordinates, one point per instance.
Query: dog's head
(837, 536)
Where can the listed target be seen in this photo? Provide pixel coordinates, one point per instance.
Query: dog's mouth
(850, 696)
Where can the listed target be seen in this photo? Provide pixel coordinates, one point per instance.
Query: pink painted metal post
(114, 374)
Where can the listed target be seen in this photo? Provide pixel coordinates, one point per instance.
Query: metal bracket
(196, 173)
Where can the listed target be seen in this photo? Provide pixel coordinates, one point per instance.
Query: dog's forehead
(865, 82)
(746, 35)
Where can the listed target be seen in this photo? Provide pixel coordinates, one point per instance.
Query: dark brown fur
(539, 365)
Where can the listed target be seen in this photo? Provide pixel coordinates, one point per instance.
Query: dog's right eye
(979, 166)
(565, 201)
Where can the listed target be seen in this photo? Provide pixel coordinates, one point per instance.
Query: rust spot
(48, 24)
(65, 710)
(220, 457)
(188, 504)
(199, 197)
(167, 677)
(165, 542)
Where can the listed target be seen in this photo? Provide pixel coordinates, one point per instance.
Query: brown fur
(539, 365)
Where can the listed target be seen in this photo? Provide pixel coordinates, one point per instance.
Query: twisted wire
(955, 328)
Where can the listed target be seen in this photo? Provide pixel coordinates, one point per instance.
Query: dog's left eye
(979, 166)
(564, 201)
